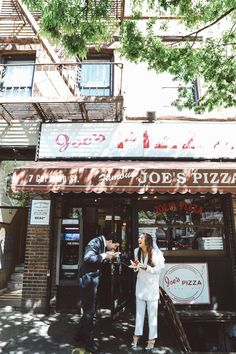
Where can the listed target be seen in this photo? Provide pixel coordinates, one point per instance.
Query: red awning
(126, 176)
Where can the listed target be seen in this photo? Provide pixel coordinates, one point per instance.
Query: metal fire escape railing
(87, 91)
(60, 80)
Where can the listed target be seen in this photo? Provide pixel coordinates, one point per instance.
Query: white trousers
(152, 311)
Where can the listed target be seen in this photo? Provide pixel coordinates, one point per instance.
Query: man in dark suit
(98, 250)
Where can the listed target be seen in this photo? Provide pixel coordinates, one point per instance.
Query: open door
(112, 216)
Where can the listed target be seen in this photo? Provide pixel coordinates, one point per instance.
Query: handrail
(78, 78)
(66, 63)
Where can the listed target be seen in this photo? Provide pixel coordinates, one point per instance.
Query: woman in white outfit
(149, 263)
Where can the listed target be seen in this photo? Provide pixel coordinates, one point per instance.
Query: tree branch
(195, 33)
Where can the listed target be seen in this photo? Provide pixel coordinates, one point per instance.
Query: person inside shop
(148, 262)
(100, 249)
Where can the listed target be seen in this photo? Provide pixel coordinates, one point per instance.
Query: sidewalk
(53, 334)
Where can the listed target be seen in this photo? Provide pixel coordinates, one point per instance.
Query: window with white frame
(96, 77)
(169, 90)
(17, 77)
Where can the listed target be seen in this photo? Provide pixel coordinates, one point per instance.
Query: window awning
(126, 176)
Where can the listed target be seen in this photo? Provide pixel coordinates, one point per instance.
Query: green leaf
(75, 24)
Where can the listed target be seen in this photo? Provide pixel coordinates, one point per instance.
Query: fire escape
(87, 91)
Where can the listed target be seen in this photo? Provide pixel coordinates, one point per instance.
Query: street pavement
(28, 333)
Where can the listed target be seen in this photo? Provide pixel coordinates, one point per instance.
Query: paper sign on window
(40, 212)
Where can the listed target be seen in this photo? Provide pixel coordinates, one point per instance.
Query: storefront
(187, 206)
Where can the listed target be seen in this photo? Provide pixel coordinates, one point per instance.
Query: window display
(183, 222)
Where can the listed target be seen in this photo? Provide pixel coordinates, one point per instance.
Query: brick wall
(35, 283)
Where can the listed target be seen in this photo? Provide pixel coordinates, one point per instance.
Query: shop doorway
(12, 257)
(83, 219)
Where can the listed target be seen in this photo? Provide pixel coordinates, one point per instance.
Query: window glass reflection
(184, 223)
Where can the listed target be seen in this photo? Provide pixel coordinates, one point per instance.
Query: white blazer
(147, 284)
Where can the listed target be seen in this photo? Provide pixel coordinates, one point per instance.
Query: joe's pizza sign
(186, 283)
(162, 139)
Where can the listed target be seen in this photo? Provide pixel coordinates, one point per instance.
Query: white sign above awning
(162, 139)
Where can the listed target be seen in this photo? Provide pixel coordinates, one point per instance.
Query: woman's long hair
(149, 243)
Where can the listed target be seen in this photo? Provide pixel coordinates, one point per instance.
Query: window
(16, 77)
(184, 223)
(169, 90)
(96, 77)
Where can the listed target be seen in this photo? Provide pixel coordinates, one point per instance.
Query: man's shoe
(93, 349)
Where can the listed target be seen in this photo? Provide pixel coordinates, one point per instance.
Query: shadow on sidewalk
(113, 335)
(22, 333)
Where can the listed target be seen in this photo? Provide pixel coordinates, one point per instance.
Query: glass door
(111, 216)
(121, 275)
(99, 215)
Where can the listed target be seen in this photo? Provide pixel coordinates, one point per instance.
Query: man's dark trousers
(88, 290)
(88, 284)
